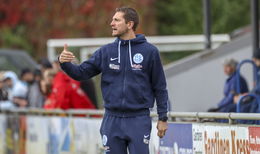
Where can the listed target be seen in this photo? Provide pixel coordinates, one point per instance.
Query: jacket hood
(12, 76)
(140, 38)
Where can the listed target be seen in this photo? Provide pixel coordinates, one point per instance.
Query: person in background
(249, 104)
(256, 60)
(5, 103)
(10, 80)
(62, 92)
(21, 89)
(45, 64)
(227, 104)
(35, 96)
(3, 92)
(89, 89)
(88, 86)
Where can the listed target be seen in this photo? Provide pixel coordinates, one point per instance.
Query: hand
(236, 98)
(66, 56)
(161, 127)
(20, 102)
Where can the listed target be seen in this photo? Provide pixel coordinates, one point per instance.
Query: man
(249, 104)
(256, 60)
(5, 103)
(132, 77)
(35, 96)
(21, 89)
(3, 91)
(227, 104)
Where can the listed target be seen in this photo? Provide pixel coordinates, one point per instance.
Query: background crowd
(47, 87)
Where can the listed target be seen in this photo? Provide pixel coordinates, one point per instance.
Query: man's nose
(112, 23)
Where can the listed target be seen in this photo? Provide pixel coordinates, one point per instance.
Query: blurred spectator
(3, 92)
(63, 92)
(89, 89)
(35, 96)
(250, 104)
(5, 103)
(256, 60)
(45, 64)
(86, 85)
(20, 90)
(227, 103)
(46, 82)
(256, 89)
(10, 80)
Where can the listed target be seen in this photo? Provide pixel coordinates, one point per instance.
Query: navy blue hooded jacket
(132, 76)
(230, 89)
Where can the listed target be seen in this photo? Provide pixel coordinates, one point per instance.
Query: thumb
(65, 47)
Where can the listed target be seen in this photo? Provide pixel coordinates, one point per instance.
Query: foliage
(186, 16)
(28, 24)
(14, 39)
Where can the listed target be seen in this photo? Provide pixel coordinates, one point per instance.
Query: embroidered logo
(146, 139)
(112, 59)
(138, 58)
(114, 67)
(137, 67)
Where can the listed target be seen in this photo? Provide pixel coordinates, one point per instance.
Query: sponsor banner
(60, 136)
(81, 135)
(2, 133)
(12, 134)
(177, 140)
(87, 137)
(254, 140)
(198, 139)
(210, 139)
(22, 134)
(37, 136)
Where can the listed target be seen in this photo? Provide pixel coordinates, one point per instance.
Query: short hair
(25, 71)
(230, 62)
(256, 53)
(45, 63)
(130, 14)
(2, 77)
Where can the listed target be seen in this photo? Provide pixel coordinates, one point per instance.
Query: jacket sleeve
(85, 70)
(159, 85)
(227, 100)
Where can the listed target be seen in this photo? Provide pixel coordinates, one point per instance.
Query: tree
(28, 24)
(185, 16)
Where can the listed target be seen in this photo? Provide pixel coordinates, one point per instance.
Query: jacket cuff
(162, 116)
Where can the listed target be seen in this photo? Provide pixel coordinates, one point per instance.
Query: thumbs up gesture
(66, 55)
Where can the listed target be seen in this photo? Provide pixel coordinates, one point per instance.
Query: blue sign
(177, 140)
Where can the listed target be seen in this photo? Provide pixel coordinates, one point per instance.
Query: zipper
(124, 77)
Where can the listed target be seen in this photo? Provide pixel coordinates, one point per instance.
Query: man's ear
(130, 24)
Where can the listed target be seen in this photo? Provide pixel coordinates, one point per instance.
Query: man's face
(228, 70)
(1, 84)
(29, 77)
(8, 83)
(118, 24)
(257, 61)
